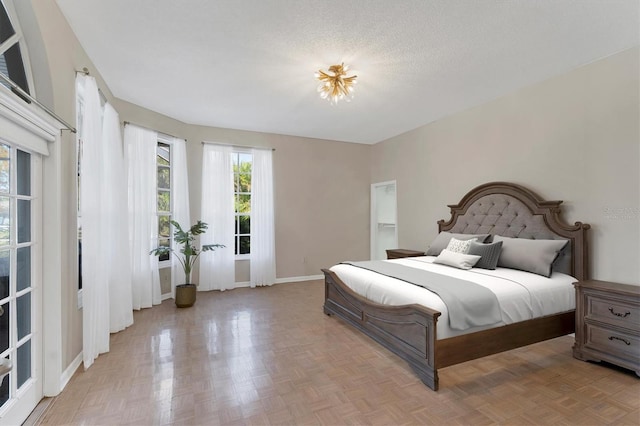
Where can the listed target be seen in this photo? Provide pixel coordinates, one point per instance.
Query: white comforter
(522, 295)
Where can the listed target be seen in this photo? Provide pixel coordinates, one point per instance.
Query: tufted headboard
(511, 210)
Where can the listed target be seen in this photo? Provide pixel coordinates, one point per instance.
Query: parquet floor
(270, 356)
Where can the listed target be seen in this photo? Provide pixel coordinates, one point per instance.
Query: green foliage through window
(163, 162)
(242, 163)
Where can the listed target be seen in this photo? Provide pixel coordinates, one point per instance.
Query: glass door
(20, 307)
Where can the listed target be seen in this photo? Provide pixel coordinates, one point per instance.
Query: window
(12, 52)
(79, 115)
(242, 194)
(163, 162)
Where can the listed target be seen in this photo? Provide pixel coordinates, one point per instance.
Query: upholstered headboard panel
(510, 210)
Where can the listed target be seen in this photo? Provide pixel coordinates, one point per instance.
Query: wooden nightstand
(608, 323)
(400, 253)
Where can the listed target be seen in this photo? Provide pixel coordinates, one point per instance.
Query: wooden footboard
(408, 331)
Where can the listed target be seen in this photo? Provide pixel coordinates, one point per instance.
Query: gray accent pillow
(442, 241)
(534, 256)
(490, 253)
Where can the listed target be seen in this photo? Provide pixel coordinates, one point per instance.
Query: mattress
(522, 295)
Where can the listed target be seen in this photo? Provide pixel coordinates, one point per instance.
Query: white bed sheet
(522, 295)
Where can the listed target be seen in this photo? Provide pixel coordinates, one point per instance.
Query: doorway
(384, 228)
(20, 277)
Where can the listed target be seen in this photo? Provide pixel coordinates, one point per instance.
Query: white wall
(574, 137)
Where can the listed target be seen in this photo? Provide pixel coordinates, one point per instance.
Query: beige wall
(574, 137)
(311, 178)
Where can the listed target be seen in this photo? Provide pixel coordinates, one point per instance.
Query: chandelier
(337, 86)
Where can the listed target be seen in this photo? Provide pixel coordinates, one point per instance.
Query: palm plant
(189, 251)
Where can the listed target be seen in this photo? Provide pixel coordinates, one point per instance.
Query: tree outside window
(163, 161)
(242, 193)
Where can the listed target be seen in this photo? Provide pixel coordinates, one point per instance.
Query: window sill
(243, 257)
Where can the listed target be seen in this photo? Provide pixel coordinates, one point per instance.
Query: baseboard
(285, 280)
(69, 372)
(298, 279)
(242, 284)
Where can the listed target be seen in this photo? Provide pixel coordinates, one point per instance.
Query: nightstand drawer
(615, 343)
(613, 312)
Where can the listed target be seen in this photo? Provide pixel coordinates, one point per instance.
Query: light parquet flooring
(269, 356)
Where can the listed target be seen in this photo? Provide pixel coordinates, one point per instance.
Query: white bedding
(522, 295)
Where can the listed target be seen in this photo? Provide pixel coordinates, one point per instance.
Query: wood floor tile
(269, 356)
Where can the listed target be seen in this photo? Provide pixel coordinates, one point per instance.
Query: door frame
(25, 126)
(374, 216)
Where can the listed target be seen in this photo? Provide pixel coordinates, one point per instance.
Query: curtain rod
(85, 71)
(153, 130)
(29, 99)
(237, 146)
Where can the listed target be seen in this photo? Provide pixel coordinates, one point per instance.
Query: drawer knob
(618, 314)
(621, 339)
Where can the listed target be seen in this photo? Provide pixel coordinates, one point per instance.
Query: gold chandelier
(337, 86)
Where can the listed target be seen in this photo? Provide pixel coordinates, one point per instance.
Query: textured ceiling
(249, 64)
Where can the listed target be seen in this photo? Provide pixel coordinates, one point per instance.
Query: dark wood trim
(401, 253)
(410, 332)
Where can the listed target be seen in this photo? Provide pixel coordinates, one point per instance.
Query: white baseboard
(285, 280)
(242, 284)
(297, 279)
(70, 371)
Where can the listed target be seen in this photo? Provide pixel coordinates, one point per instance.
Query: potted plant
(186, 293)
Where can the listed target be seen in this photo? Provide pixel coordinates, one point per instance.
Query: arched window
(12, 49)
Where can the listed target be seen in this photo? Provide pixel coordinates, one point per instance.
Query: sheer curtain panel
(95, 292)
(263, 249)
(140, 154)
(180, 192)
(217, 269)
(115, 223)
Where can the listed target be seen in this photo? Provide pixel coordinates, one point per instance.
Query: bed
(506, 211)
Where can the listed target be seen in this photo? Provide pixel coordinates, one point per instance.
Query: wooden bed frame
(409, 331)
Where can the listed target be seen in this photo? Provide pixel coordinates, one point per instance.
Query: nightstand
(608, 323)
(400, 253)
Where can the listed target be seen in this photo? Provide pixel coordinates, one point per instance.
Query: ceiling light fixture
(337, 86)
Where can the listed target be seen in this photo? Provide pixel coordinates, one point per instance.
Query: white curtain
(217, 269)
(95, 292)
(140, 154)
(115, 223)
(263, 249)
(180, 213)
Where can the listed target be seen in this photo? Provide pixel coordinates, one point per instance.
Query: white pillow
(460, 246)
(457, 260)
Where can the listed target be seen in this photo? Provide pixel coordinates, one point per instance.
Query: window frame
(17, 39)
(164, 140)
(235, 153)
